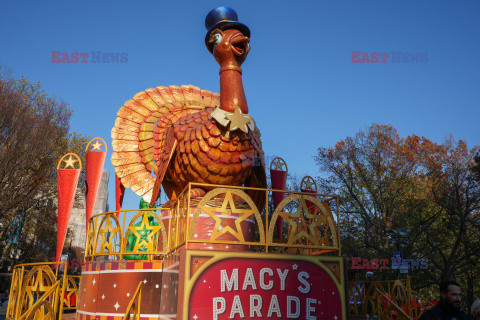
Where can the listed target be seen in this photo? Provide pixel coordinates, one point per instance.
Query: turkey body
(205, 151)
(169, 131)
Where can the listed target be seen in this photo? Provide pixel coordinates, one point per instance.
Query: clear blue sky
(302, 89)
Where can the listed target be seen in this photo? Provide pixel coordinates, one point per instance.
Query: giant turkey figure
(185, 134)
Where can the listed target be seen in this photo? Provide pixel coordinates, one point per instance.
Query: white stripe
(123, 314)
(130, 270)
(90, 272)
(172, 266)
(204, 215)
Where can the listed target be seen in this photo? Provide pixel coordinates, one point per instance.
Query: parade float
(224, 246)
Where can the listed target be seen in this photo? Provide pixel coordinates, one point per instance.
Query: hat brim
(225, 25)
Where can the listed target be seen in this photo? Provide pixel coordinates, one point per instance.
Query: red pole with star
(308, 185)
(93, 172)
(67, 181)
(278, 177)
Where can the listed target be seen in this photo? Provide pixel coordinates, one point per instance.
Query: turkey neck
(232, 94)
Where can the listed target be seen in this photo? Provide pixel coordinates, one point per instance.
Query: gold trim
(278, 163)
(310, 230)
(308, 234)
(109, 235)
(99, 143)
(227, 208)
(135, 307)
(37, 292)
(70, 163)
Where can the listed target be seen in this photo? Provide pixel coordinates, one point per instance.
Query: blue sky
(302, 88)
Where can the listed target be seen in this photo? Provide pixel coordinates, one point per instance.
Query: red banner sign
(248, 288)
(93, 173)
(279, 181)
(67, 181)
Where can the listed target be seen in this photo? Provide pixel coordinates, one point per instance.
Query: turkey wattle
(184, 134)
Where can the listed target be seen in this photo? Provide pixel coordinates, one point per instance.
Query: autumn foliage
(387, 183)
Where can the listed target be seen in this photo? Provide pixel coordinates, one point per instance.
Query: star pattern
(108, 233)
(296, 219)
(227, 208)
(70, 291)
(97, 145)
(144, 226)
(278, 164)
(39, 285)
(238, 120)
(112, 296)
(309, 184)
(70, 162)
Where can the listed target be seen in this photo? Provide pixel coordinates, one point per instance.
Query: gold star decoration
(70, 290)
(43, 312)
(278, 163)
(97, 145)
(227, 208)
(295, 219)
(37, 287)
(107, 235)
(308, 183)
(238, 120)
(70, 162)
(144, 226)
(90, 237)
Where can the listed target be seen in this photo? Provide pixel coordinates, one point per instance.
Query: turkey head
(184, 134)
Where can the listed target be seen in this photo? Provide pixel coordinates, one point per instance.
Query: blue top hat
(223, 18)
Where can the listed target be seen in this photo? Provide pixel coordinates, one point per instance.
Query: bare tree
(34, 134)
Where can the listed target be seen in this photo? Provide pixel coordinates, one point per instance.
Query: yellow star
(69, 292)
(91, 236)
(109, 233)
(96, 145)
(295, 218)
(43, 313)
(238, 120)
(37, 287)
(70, 162)
(309, 183)
(144, 226)
(279, 164)
(218, 230)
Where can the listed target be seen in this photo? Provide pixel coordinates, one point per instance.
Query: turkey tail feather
(139, 136)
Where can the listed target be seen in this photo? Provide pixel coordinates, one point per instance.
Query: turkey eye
(217, 38)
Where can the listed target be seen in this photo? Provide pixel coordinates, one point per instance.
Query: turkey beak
(240, 45)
